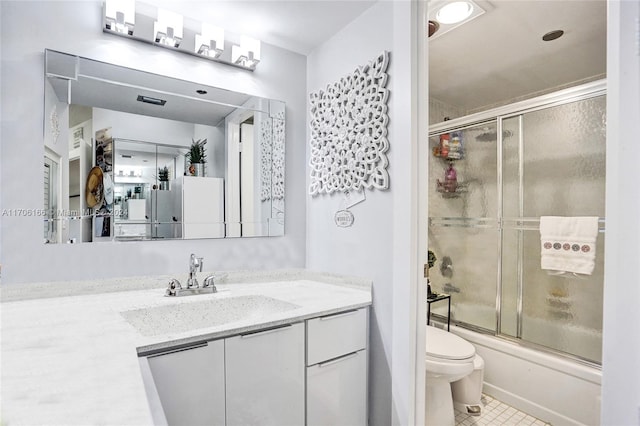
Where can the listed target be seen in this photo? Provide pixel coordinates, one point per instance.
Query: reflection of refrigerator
(165, 214)
(203, 207)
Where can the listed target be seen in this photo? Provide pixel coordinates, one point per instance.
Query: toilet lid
(445, 345)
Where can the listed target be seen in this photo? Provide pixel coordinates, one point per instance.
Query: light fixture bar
(168, 27)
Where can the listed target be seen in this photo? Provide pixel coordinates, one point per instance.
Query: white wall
(377, 245)
(27, 28)
(621, 345)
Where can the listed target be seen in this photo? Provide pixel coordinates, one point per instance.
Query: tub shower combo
(492, 175)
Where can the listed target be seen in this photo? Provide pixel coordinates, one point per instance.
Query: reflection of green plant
(163, 174)
(196, 153)
(431, 259)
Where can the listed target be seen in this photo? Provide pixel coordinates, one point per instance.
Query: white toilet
(448, 358)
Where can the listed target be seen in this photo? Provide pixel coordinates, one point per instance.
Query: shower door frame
(497, 115)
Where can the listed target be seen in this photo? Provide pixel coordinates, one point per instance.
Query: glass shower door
(463, 223)
(560, 172)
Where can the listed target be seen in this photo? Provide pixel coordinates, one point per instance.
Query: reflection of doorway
(51, 196)
(248, 221)
(240, 186)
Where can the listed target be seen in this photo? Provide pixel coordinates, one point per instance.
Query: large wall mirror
(131, 155)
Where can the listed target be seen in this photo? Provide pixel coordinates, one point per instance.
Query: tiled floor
(497, 413)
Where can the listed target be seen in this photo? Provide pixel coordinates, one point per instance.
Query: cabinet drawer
(337, 391)
(335, 335)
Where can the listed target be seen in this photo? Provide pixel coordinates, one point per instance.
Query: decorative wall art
(349, 131)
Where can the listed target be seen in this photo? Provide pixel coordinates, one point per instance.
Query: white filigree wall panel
(349, 131)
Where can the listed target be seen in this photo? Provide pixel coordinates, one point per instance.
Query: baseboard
(529, 407)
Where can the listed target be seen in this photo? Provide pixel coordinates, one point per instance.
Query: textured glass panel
(509, 301)
(476, 170)
(564, 175)
(564, 151)
(563, 313)
(471, 279)
(511, 167)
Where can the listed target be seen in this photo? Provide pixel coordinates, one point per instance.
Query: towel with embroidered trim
(568, 244)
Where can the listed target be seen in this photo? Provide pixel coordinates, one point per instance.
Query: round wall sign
(344, 218)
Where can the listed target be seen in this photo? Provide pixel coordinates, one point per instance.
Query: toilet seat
(445, 346)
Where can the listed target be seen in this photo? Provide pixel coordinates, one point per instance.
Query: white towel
(568, 244)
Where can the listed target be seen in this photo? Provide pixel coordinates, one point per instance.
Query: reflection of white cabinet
(203, 207)
(190, 384)
(337, 369)
(265, 377)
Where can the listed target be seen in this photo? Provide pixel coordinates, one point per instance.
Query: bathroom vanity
(291, 349)
(258, 377)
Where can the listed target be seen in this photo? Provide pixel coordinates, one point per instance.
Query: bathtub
(555, 389)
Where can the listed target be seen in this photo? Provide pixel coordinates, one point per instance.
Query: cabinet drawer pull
(339, 359)
(341, 314)
(262, 332)
(166, 351)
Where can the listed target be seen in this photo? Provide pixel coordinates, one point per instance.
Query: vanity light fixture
(167, 29)
(120, 16)
(171, 30)
(247, 53)
(211, 42)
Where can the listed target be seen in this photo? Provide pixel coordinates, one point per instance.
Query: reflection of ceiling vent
(150, 100)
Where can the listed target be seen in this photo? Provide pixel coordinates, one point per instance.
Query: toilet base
(472, 410)
(439, 403)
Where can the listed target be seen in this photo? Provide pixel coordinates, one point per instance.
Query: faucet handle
(210, 282)
(173, 287)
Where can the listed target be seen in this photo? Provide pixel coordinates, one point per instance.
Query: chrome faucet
(208, 286)
(195, 264)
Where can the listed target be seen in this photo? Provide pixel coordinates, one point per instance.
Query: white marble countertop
(73, 359)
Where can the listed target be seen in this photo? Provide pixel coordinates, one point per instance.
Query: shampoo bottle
(450, 179)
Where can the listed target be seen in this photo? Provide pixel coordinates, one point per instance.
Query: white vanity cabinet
(191, 385)
(306, 373)
(265, 374)
(337, 369)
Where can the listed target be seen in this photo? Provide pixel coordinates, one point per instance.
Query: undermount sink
(181, 317)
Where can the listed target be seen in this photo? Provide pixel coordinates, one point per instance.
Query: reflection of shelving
(448, 192)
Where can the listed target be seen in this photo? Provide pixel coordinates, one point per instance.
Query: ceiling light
(210, 42)
(450, 15)
(120, 16)
(455, 12)
(168, 28)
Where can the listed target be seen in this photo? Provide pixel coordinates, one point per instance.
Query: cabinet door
(337, 391)
(190, 384)
(265, 377)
